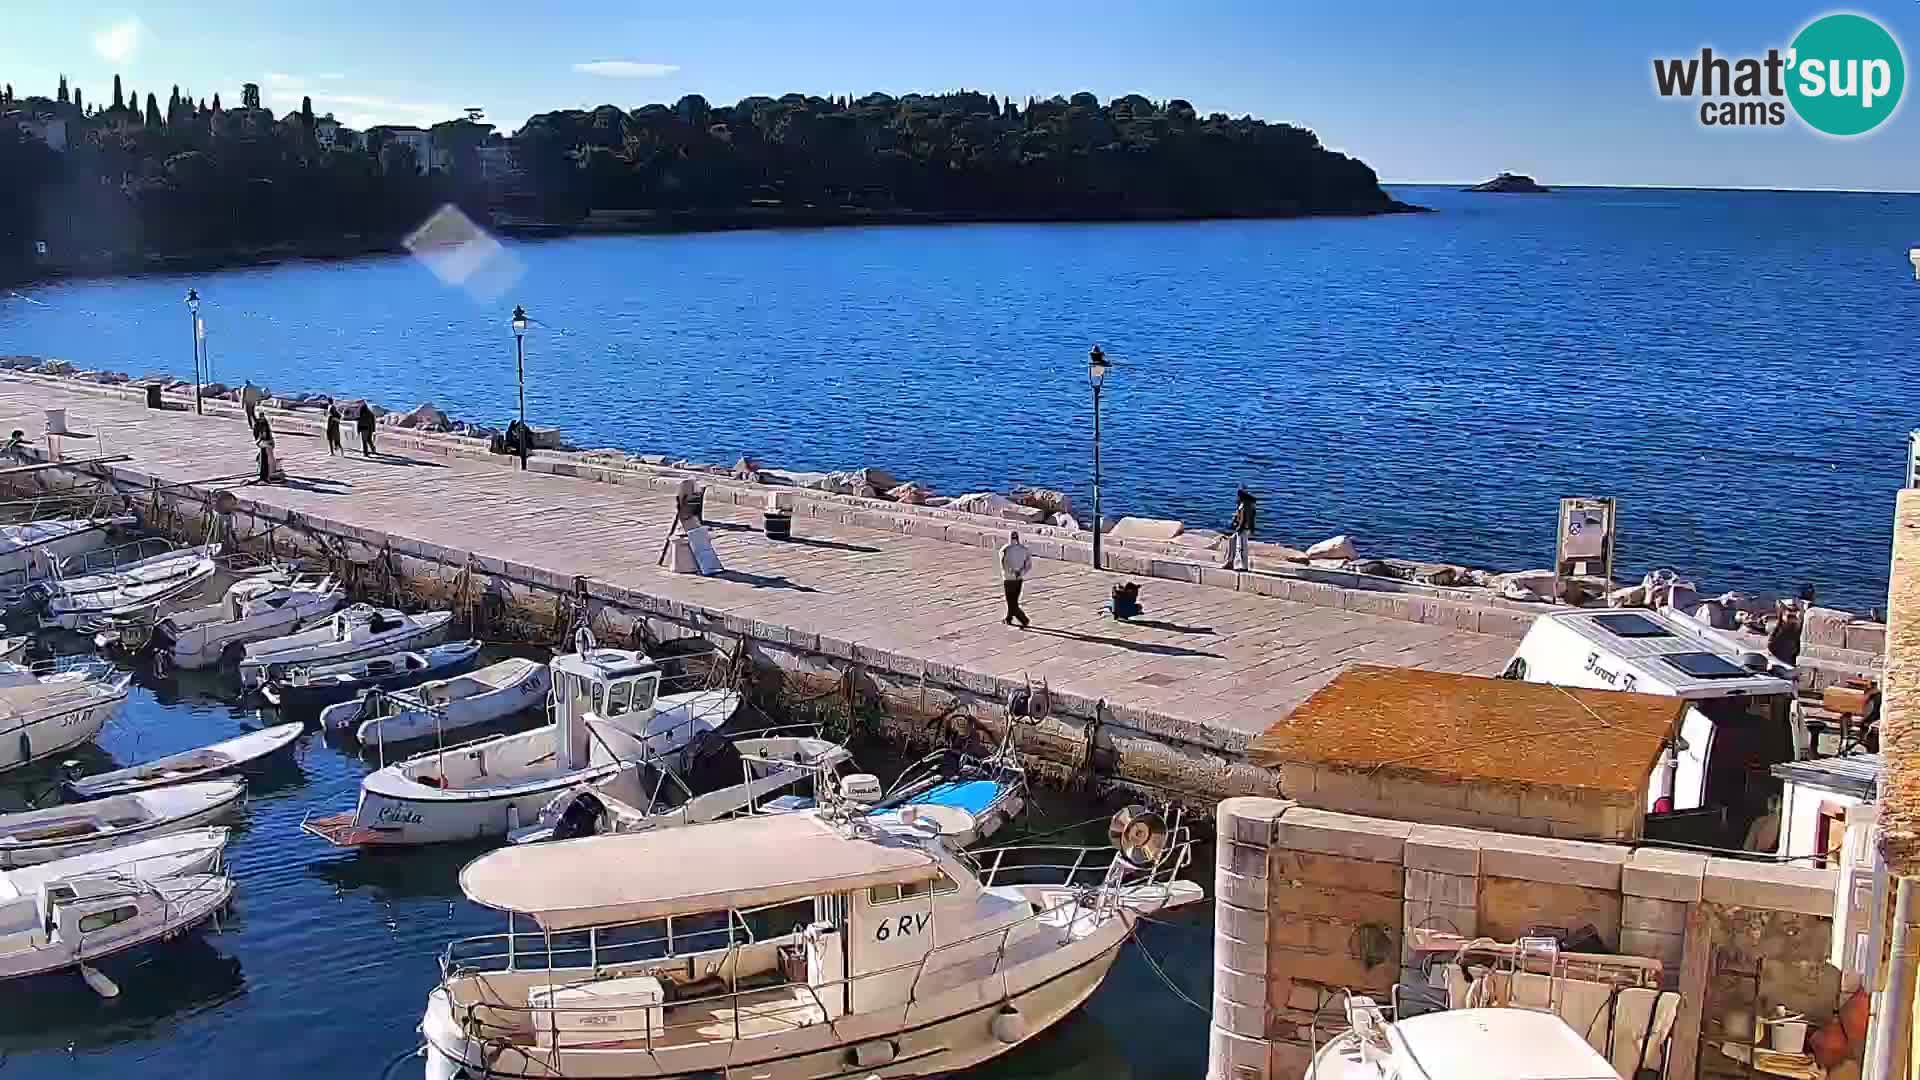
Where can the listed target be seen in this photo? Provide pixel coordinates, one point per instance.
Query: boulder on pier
(1144, 528)
(1333, 548)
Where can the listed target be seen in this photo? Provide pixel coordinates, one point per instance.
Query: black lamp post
(1097, 366)
(520, 365)
(193, 315)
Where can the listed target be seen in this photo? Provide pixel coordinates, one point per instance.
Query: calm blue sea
(1736, 367)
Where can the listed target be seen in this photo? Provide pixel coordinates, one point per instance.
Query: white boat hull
(32, 853)
(939, 1034)
(463, 713)
(83, 611)
(199, 898)
(419, 632)
(206, 645)
(447, 817)
(51, 736)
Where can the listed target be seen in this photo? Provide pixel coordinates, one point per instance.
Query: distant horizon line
(1670, 187)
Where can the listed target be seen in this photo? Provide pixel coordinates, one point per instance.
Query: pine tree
(153, 112)
(118, 101)
(63, 90)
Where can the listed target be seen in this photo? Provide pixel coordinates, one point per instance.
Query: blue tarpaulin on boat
(973, 796)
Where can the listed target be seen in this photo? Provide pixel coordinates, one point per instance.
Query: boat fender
(26, 748)
(866, 1055)
(1009, 1025)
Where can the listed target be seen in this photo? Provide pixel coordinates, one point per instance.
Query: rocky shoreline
(1052, 508)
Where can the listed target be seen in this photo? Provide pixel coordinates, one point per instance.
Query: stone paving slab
(1230, 660)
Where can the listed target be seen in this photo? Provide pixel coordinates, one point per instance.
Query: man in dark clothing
(1240, 532)
(364, 422)
(333, 430)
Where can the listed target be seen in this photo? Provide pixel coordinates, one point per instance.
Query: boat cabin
(602, 683)
(67, 909)
(1715, 780)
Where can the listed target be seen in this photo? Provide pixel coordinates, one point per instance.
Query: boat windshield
(620, 698)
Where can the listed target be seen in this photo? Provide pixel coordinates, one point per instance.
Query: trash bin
(153, 395)
(778, 524)
(56, 421)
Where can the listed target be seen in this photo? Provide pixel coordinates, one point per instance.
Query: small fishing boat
(981, 794)
(786, 946)
(358, 631)
(310, 687)
(57, 832)
(609, 722)
(1459, 1044)
(254, 609)
(33, 550)
(207, 762)
(89, 610)
(721, 777)
(76, 922)
(439, 706)
(194, 851)
(42, 716)
(13, 648)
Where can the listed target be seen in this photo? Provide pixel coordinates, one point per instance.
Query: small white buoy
(1009, 1026)
(98, 982)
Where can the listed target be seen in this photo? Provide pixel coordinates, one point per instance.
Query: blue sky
(1423, 91)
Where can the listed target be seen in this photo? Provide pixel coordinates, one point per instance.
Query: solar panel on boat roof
(1702, 665)
(1629, 625)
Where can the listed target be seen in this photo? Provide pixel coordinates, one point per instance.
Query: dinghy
(434, 708)
(310, 687)
(204, 763)
(253, 609)
(358, 631)
(42, 716)
(195, 851)
(57, 832)
(127, 594)
(77, 921)
(116, 585)
(33, 550)
(819, 944)
(609, 722)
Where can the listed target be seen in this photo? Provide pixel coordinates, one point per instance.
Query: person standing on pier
(1015, 561)
(250, 402)
(1240, 532)
(333, 429)
(263, 439)
(364, 422)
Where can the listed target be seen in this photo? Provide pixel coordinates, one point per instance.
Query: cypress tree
(153, 112)
(306, 113)
(118, 101)
(76, 100)
(216, 101)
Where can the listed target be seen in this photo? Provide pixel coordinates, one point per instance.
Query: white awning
(734, 864)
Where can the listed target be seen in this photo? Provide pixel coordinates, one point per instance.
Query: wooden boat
(194, 851)
(37, 836)
(358, 631)
(325, 684)
(42, 716)
(253, 609)
(785, 946)
(609, 723)
(204, 763)
(144, 588)
(439, 706)
(77, 921)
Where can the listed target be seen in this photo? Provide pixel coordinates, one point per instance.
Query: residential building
(416, 139)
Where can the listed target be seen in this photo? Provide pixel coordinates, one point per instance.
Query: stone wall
(1313, 903)
(1513, 807)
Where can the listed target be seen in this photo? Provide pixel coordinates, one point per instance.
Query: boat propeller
(1139, 834)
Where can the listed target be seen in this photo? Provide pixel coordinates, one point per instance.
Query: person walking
(263, 439)
(1015, 562)
(333, 429)
(1240, 532)
(250, 402)
(364, 422)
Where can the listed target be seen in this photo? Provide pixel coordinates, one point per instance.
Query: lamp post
(1097, 366)
(193, 315)
(520, 367)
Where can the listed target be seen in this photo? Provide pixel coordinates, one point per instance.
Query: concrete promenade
(1226, 660)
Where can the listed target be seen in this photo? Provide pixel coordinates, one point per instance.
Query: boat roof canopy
(736, 864)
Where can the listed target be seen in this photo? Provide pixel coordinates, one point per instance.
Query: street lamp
(193, 315)
(520, 366)
(1097, 367)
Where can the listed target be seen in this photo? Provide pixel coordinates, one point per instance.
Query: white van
(1709, 787)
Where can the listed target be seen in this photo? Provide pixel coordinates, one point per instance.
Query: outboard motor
(581, 817)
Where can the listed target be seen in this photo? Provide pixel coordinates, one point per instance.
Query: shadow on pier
(1153, 648)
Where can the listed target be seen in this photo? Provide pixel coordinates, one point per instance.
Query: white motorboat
(44, 716)
(609, 722)
(823, 943)
(1459, 1044)
(348, 634)
(79, 603)
(254, 609)
(434, 708)
(320, 685)
(195, 851)
(33, 550)
(722, 777)
(75, 922)
(13, 648)
(204, 763)
(57, 832)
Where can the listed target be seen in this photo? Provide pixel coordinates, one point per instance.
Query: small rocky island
(1510, 183)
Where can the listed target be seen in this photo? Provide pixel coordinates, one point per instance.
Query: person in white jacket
(1015, 562)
